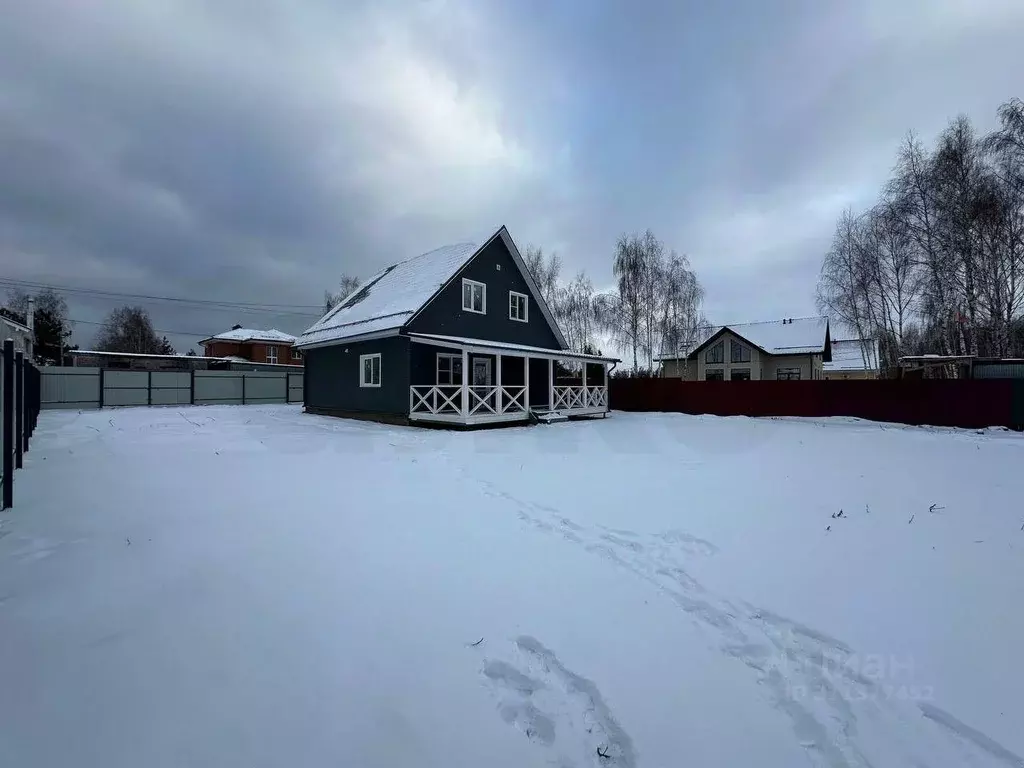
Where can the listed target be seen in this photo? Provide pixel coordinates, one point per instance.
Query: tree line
(654, 307)
(125, 329)
(937, 264)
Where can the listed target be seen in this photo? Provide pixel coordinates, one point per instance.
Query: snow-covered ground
(253, 586)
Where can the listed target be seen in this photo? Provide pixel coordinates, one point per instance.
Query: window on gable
(715, 354)
(271, 353)
(474, 296)
(517, 306)
(739, 353)
(369, 370)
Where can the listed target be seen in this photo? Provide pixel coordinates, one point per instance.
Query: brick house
(273, 346)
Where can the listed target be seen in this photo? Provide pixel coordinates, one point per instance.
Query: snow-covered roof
(389, 299)
(555, 354)
(252, 334)
(854, 355)
(800, 335)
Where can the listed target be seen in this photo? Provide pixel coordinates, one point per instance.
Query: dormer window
(474, 296)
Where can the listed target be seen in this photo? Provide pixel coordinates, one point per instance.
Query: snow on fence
(103, 387)
(19, 411)
(967, 403)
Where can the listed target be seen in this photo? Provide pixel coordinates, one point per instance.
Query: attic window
(474, 296)
(738, 353)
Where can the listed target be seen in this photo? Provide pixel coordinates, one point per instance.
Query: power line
(234, 306)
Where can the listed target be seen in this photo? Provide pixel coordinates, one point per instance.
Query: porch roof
(516, 350)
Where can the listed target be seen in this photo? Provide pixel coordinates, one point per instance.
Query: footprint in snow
(556, 708)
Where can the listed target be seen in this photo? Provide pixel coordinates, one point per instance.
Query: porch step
(549, 417)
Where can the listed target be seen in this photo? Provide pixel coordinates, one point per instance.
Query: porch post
(465, 383)
(551, 384)
(604, 368)
(526, 381)
(499, 384)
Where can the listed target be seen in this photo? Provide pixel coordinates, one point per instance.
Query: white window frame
(451, 368)
(272, 354)
(362, 370)
(512, 296)
(483, 296)
(296, 353)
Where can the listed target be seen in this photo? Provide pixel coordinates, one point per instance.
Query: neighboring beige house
(853, 359)
(783, 350)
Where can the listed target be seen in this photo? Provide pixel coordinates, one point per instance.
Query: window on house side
(715, 354)
(739, 374)
(517, 306)
(271, 354)
(738, 353)
(474, 296)
(369, 370)
(787, 374)
(296, 354)
(716, 375)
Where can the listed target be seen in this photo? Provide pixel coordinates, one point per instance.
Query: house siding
(444, 315)
(810, 365)
(755, 365)
(763, 366)
(255, 352)
(333, 375)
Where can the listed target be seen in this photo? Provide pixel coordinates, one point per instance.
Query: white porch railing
(442, 399)
(482, 401)
(579, 398)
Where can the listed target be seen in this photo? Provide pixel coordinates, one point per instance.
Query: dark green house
(459, 335)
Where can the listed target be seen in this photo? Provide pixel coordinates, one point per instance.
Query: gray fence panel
(80, 387)
(218, 387)
(170, 388)
(69, 387)
(263, 387)
(171, 380)
(295, 387)
(125, 387)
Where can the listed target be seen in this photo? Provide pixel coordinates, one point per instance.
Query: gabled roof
(251, 334)
(6, 317)
(854, 355)
(793, 336)
(392, 297)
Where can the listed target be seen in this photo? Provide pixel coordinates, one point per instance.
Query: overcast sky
(253, 150)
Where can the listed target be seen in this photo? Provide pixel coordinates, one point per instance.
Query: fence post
(243, 387)
(8, 426)
(192, 387)
(32, 391)
(149, 387)
(19, 407)
(102, 370)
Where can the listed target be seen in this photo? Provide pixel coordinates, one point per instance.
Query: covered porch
(472, 382)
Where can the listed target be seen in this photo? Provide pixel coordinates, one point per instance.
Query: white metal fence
(100, 387)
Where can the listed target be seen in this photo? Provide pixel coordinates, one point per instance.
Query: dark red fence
(947, 403)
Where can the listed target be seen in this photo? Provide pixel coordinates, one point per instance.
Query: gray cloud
(254, 151)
